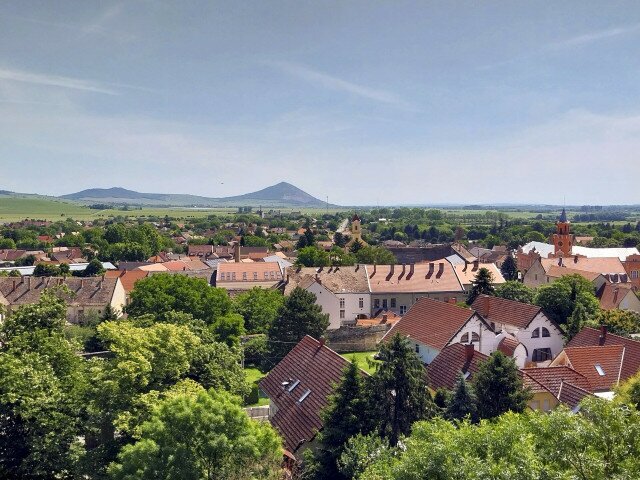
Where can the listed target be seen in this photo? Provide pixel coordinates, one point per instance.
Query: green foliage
(298, 316)
(498, 387)
(48, 314)
(313, 257)
(481, 285)
(375, 255)
(343, 417)
(356, 246)
(559, 299)
(463, 402)
(628, 393)
(509, 268)
(398, 395)
(255, 350)
(360, 452)
(202, 436)
(576, 320)
(94, 269)
(620, 322)
(259, 308)
(216, 365)
(46, 270)
(164, 293)
(514, 290)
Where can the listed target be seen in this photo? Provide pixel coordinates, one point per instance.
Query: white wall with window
(342, 307)
(542, 339)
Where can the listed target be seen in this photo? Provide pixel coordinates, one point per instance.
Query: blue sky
(367, 102)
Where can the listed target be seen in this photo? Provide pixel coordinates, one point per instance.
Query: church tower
(356, 233)
(562, 238)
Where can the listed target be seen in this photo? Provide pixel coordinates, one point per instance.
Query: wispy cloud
(334, 83)
(587, 38)
(56, 81)
(98, 25)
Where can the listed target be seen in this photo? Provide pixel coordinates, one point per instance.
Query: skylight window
(304, 395)
(293, 385)
(466, 375)
(599, 370)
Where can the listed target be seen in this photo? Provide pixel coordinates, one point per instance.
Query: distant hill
(281, 194)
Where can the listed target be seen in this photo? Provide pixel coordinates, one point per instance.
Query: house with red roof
(531, 336)
(456, 358)
(298, 388)
(431, 325)
(618, 295)
(553, 385)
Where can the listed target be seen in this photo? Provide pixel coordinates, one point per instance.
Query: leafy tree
(203, 436)
(216, 365)
(576, 321)
(499, 387)
(15, 273)
(259, 307)
(46, 270)
(620, 322)
(482, 285)
(375, 255)
(629, 391)
(559, 299)
(164, 293)
(25, 261)
(463, 402)
(361, 451)
(398, 395)
(509, 268)
(7, 243)
(356, 246)
(339, 239)
(313, 257)
(298, 316)
(48, 314)
(514, 290)
(94, 269)
(339, 258)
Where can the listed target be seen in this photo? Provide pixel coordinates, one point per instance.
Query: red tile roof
(508, 345)
(317, 369)
(503, 311)
(444, 369)
(431, 322)
(436, 276)
(128, 278)
(590, 337)
(584, 360)
(610, 295)
(571, 395)
(552, 377)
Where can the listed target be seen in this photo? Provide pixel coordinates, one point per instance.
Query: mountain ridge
(280, 194)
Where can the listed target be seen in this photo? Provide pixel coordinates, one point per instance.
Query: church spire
(563, 216)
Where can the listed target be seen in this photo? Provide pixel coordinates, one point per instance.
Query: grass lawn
(362, 358)
(253, 376)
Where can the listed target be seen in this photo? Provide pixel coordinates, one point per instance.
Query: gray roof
(85, 291)
(336, 279)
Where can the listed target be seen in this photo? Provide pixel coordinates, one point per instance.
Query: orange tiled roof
(584, 360)
(610, 295)
(503, 311)
(508, 345)
(553, 377)
(420, 277)
(260, 268)
(556, 271)
(443, 370)
(602, 265)
(128, 278)
(431, 322)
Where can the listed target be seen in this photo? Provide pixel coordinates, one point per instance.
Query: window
(293, 385)
(376, 303)
(255, 275)
(341, 314)
(541, 354)
(464, 338)
(393, 303)
(535, 333)
(403, 309)
(244, 276)
(545, 332)
(361, 302)
(384, 303)
(475, 337)
(266, 275)
(635, 274)
(304, 395)
(534, 405)
(545, 405)
(466, 375)
(342, 303)
(233, 275)
(599, 370)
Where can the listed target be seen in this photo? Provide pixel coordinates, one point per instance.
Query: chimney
(411, 267)
(560, 261)
(357, 266)
(321, 340)
(451, 300)
(390, 273)
(29, 283)
(440, 269)
(385, 317)
(603, 334)
(14, 286)
(465, 266)
(236, 252)
(430, 272)
(468, 352)
(287, 278)
(615, 296)
(476, 263)
(575, 259)
(318, 279)
(404, 267)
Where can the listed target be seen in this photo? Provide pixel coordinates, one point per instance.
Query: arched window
(475, 337)
(464, 338)
(545, 332)
(535, 333)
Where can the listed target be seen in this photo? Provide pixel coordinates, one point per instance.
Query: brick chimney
(451, 300)
(603, 334)
(385, 317)
(430, 272)
(236, 253)
(322, 341)
(390, 273)
(476, 264)
(404, 267)
(465, 266)
(411, 268)
(440, 269)
(468, 352)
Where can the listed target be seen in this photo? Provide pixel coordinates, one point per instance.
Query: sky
(385, 102)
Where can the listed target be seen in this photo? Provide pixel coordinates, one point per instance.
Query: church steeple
(562, 239)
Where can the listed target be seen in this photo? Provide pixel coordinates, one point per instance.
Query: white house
(342, 292)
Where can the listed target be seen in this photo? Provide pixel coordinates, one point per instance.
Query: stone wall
(355, 339)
